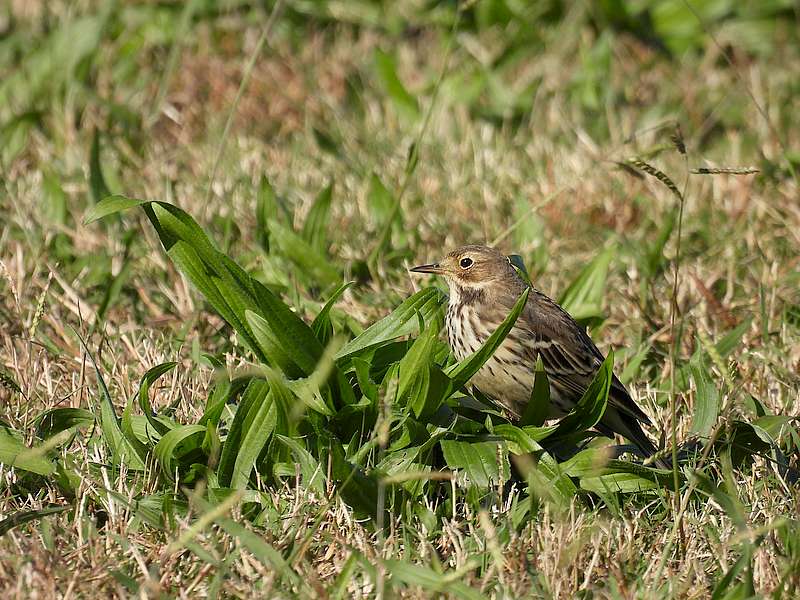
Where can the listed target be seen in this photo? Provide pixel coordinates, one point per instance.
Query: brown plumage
(483, 289)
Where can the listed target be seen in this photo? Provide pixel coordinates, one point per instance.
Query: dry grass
(476, 178)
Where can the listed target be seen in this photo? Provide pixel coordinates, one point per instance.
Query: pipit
(484, 286)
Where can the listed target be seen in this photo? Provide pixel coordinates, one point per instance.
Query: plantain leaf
(584, 297)
(706, 400)
(109, 206)
(478, 460)
(14, 453)
(315, 227)
(313, 475)
(538, 408)
(310, 261)
(401, 321)
(405, 103)
(322, 327)
(56, 420)
(416, 367)
(175, 443)
(148, 379)
(253, 407)
(590, 408)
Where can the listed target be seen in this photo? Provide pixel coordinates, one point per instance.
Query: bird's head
(472, 268)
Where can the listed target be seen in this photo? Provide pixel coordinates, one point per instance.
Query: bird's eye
(466, 262)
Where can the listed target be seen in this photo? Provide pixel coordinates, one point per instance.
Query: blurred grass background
(434, 124)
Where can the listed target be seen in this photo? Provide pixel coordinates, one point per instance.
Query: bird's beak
(432, 268)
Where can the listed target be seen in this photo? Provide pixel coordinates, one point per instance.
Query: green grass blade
(26, 516)
(429, 580)
(321, 326)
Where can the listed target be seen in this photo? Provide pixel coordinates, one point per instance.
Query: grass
(172, 424)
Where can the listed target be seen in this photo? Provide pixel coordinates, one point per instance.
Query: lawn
(219, 379)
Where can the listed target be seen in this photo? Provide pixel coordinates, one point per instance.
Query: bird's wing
(569, 356)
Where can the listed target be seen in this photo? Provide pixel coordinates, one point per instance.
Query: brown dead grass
(463, 191)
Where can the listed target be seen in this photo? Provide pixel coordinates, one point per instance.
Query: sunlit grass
(255, 426)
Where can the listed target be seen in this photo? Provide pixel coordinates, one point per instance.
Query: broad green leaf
(773, 424)
(381, 201)
(544, 475)
(404, 102)
(594, 464)
(315, 227)
(14, 453)
(368, 387)
(148, 379)
(310, 261)
(253, 399)
(275, 347)
(478, 460)
(523, 439)
(14, 135)
(590, 408)
(297, 338)
(618, 482)
(175, 443)
(538, 409)
(402, 321)
(126, 425)
(56, 420)
(223, 392)
(97, 183)
(461, 373)
(415, 369)
(312, 390)
(706, 400)
(321, 326)
(745, 441)
(432, 582)
(262, 419)
(583, 298)
(111, 205)
(732, 339)
(313, 475)
(356, 487)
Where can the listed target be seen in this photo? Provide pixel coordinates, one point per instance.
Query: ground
(495, 124)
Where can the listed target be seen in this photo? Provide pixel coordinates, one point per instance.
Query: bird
(484, 286)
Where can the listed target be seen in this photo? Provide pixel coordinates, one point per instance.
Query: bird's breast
(506, 376)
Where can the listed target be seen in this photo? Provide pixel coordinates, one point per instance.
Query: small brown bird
(484, 287)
